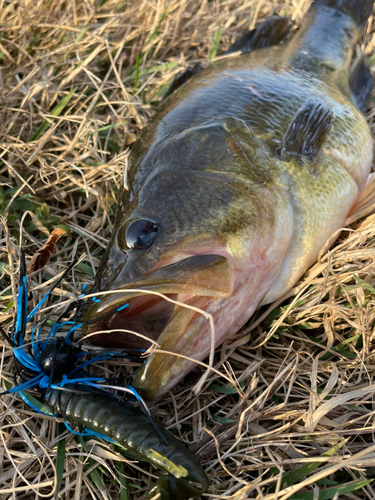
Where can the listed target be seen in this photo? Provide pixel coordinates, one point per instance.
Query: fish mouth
(131, 321)
(161, 307)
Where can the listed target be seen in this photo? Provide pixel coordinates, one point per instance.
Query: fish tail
(358, 10)
(328, 32)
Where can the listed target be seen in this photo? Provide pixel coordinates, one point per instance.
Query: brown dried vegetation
(71, 104)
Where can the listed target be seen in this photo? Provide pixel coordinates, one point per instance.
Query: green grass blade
(57, 110)
(113, 125)
(7, 384)
(78, 39)
(156, 31)
(364, 283)
(329, 493)
(370, 61)
(327, 482)
(94, 474)
(122, 479)
(34, 41)
(137, 63)
(223, 420)
(60, 458)
(298, 475)
(159, 67)
(85, 268)
(340, 349)
(35, 402)
(222, 389)
(215, 43)
(4, 267)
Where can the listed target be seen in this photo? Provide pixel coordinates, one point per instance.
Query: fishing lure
(53, 369)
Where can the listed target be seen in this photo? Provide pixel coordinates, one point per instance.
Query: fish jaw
(186, 332)
(188, 337)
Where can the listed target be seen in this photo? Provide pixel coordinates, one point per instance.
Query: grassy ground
(79, 79)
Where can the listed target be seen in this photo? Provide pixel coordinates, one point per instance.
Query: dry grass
(302, 369)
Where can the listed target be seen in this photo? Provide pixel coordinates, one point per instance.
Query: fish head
(154, 254)
(201, 239)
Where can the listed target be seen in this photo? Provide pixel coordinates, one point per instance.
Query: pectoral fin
(308, 130)
(270, 32)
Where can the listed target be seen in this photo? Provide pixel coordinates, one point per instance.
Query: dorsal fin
(269, 32)
(360, 82)
(308, 130)
(183, 77)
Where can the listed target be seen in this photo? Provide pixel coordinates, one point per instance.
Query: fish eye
(141, 234)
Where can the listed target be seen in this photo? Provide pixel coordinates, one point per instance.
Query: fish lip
(100, 316)
(111, 300)
(114, 299)
(109, 322)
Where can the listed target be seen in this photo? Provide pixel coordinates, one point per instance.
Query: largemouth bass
(235, 186)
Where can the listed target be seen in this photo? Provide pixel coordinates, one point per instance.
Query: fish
(250, 165)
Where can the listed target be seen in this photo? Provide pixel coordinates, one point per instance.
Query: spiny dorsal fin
(183, 77)
(270, 32)
(308, 130)
(360, 82)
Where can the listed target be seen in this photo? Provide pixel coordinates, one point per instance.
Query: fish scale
(249, 167)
